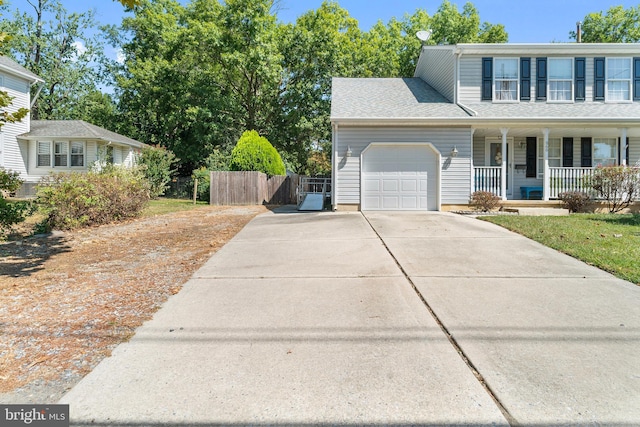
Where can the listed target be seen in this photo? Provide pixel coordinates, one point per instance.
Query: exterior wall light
(454, 152)
(349, 152)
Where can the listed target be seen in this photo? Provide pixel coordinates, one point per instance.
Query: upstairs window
(618, 79)
(560, 79)
(505, 79)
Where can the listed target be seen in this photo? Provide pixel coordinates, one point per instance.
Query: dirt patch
(67, 299)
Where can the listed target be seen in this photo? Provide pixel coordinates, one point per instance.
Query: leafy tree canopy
(617, 25)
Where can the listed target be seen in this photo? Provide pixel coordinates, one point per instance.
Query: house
(36, 148)
(524, 121)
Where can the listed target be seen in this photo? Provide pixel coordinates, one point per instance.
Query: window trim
(570, 80)
(608, 79)
(594, 159)
(540, 157)
(51, 154)
(516, 79)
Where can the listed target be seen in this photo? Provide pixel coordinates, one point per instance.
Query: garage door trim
(428, 145)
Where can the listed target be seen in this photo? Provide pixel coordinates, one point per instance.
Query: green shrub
(255, 153)
(618, 185)
(11, 212)
(484, 201)
(575, 201)
(72, 200)
(156, 164)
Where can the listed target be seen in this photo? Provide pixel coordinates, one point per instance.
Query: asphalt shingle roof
(542, 110)
(389, 98)
(12, 65)
(75, 129)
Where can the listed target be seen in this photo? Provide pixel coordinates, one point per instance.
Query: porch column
(623, 147)
(503, 173)
(546, 189)
(473, 170)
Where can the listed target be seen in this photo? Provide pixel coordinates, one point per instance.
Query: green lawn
(610, 242)
(163, 206)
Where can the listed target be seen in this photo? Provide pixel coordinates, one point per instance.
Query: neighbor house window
(560, 79)
(555, 154)
(77, 153)
(505, 79)
(618, 79)
(44, 153)
(60, 154)
(605, 151)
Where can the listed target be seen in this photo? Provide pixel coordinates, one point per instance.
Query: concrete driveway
(313, 318)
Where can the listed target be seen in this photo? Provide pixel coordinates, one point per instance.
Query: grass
(164, 205)
(610, 242)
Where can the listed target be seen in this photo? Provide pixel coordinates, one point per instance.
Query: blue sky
(526, 21)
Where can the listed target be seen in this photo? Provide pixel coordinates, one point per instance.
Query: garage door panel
(397, 178)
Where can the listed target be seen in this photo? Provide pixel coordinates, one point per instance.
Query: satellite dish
(424, 35)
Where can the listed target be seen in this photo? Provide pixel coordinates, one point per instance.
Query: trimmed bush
(255, 153)
(575, 201)
(618, 185)
(73, 200)
(156, 164)
(484, 201)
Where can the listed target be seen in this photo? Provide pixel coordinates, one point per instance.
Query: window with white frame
(505, 79)
(77, 153)
(605, 151)
(560, 72)
(44, 153)
(618, 79)
(555, 154)
(60, 154)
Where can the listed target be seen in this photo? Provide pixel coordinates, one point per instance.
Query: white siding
(634, 151)
(470, 79)
(14, 155)
(455, 172)
(437, 68)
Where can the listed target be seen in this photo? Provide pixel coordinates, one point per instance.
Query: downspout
(458, 53)
(35, 97)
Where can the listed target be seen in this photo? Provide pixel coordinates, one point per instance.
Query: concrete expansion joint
(510, 419)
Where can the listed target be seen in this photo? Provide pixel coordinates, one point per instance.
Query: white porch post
(503, 174)
(473, 172)
(546, 189)
(623, 147)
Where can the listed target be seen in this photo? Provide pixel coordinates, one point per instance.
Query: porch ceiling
(575, 132)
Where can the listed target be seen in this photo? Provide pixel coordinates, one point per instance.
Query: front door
(494, 158)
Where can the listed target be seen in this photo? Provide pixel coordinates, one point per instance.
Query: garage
(400, 177)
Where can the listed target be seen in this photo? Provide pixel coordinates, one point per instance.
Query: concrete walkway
(312, 318)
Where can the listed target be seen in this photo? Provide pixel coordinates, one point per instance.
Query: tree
(7, 116)
(450, 26)
(255, 153)
(617, 25)
(56, 45)
(156, 164)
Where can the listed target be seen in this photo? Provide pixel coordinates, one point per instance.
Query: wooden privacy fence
(252, 188)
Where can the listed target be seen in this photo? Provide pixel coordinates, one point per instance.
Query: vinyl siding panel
(634, 151)
(470, 79)
(455, 173)
(437, 68)
(14, 154)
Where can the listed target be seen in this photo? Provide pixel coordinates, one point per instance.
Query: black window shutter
(525, 79)
(567, 152)
(580, 83)
(598, 79)
(585, 153)
(636, 79)
(532, 158)
(541, 79)
(487, 79)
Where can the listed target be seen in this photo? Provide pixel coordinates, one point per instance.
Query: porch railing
(488, 178)
(569, 179)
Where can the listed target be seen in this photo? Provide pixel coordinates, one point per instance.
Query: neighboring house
(523, 121)
(36, 148)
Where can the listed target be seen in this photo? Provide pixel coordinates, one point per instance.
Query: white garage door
(399, 177)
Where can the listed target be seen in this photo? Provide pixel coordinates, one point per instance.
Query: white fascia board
(33, 79)
(573, 49)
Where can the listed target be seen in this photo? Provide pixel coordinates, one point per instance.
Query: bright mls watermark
(34, 415)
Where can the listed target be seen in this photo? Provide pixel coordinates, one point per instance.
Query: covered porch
(541, 163)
